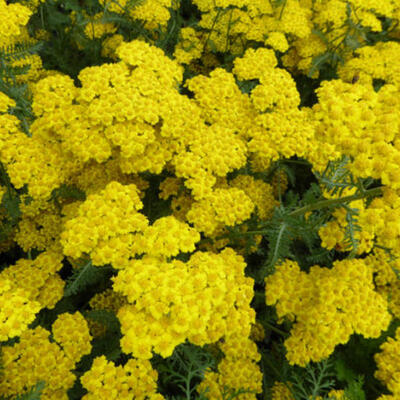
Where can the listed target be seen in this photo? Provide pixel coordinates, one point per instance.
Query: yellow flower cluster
(215, 151)
(378, 223)
(333, 232)
(135, 380)
(373, 62)
(388, 362)
(17, 311)
(301, 29)
(29, 160)
(96, 176)
(38, 278)
(228, 25)
(71, 332)
(383, 213)
(281, 391)
(260, 193)
(165, 238)
(169, 302)
(13, 18)
(30, 360)
(189, 46)
(278, 41)
(5, 103)
(224, 207)
(96, 27)
(39, 226)
(237, 370)
(279, 127)
(385, 278)
(154, 13)
(222, 103)
(131, 117)
(117, 106)
(326, 306)
(104, 225)
(257, 332)
(107, 300)
(330, 18)
(110, 44)
(362, 124)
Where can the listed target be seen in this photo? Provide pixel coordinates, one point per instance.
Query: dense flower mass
(135, 380)
(388, 364)
(168, 302)
(104, 225)
(326, 306)
(31, 360)
(199, 199)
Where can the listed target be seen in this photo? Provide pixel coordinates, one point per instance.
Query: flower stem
(335, 202)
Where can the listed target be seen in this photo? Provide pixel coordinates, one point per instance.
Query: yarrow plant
(199, 199)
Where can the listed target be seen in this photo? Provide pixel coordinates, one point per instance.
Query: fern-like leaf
(87, 275)
(352, 227)
(185, 369)
(106, 318)
(313, 381)
(19, 51)
(336, 177)
(231, 394)
(33, 394)
(354, 390)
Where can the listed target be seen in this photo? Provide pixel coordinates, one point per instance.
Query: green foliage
(354, 390)
(66, 192)
(336, 178)
(8, 79)
(104, 317)
(355, 365)
(350, 241)
(308, 383)
(153, 207)
(168, 38)
(247, 86)
(19, 51)
(316, 379)
(292, 232)
(33, 394)
(355, 36)
(230, 394)
(279, 234)
(180, 373)
(86, 275)
(10, 204)
(107, 344)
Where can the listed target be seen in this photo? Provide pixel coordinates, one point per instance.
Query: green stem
(273, 328)
(335, 202)
(282, 9)
(228, 31)
(311, 207)
(211, 30)
(301, 162)
(277, 373)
